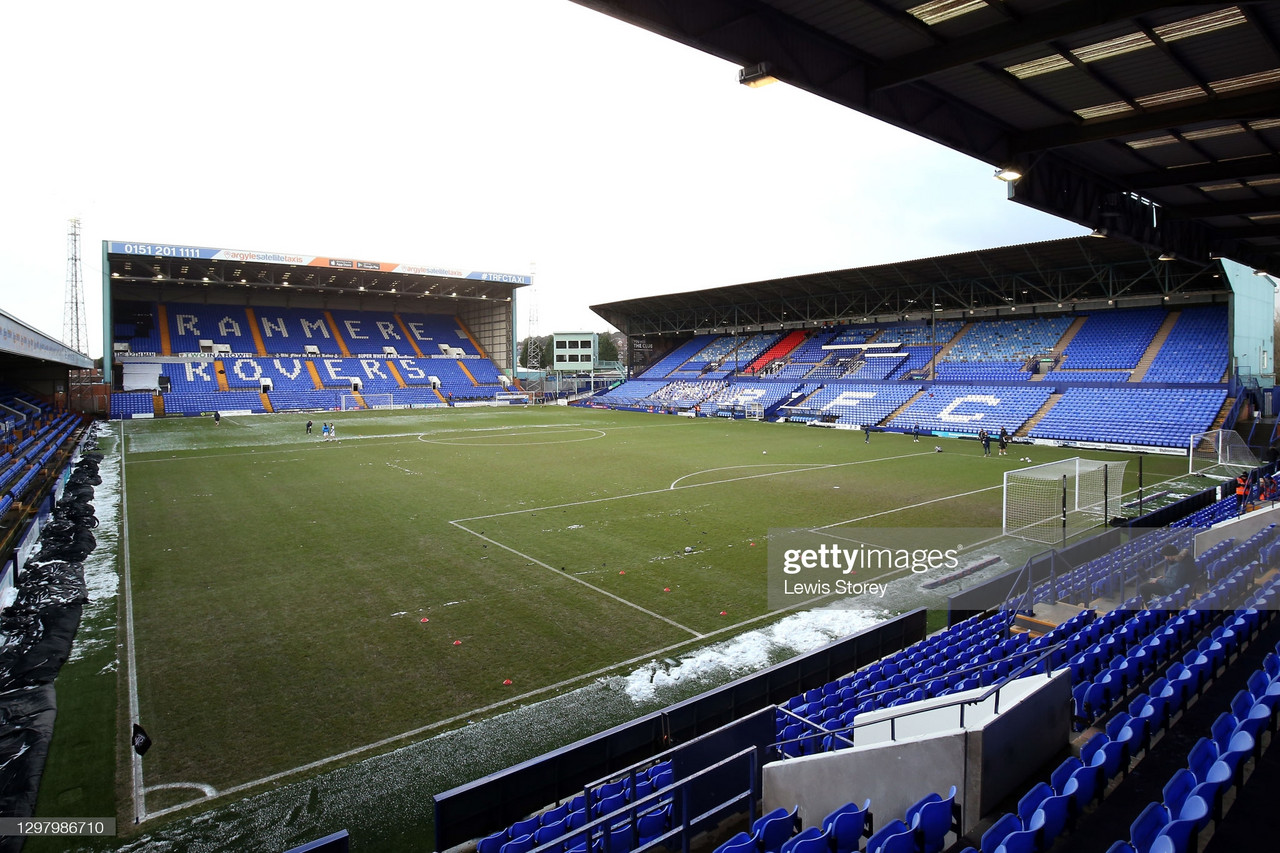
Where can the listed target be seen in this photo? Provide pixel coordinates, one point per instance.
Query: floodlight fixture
(755, 76)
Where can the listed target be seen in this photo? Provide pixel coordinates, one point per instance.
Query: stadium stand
(676, 357)
(1141, 416)
(265, 350)
(1196, 349)
(1104, 349)
(1064, 376)
(981, 371)
(1009, 340)
(848, 403)
(970, 408)
(1112, 339)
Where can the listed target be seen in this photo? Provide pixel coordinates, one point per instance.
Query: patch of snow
(800, 632)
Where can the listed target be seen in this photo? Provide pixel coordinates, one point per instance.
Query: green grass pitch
(280, 582)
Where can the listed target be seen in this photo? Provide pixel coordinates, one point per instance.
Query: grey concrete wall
(893, 775)
(1007, 750)
(992, 756)
(1240, 528)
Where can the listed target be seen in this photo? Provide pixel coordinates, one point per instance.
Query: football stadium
(975, 552)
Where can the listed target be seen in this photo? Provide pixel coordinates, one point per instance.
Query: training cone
(666, 589)
(753, 544)
(424, 619)
(457, 642)
(724, 612)
(623, 572)
(506, 682)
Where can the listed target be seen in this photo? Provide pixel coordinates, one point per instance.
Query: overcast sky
(496, 135)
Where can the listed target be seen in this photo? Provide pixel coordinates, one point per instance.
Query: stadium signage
(1107, 445)
(174, 250)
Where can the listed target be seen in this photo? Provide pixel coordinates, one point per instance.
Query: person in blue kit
(1179, 571)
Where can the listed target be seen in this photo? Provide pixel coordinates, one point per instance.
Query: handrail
(632, 809)
(892, 719)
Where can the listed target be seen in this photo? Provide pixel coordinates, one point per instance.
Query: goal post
(1055, 501)
(1219, 451)
(358, 402)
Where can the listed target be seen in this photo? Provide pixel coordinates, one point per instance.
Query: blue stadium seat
(894, 837)
(847, 825)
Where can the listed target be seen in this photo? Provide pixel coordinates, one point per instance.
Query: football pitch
(298, 603)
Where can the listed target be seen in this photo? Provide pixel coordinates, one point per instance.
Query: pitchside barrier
(733, 717)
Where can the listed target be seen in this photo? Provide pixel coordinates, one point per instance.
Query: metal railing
(676, 795)
(1040, 655)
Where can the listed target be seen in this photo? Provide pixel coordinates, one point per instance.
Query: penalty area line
(590, 586)
(901, 508)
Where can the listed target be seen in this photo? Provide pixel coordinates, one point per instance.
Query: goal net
(353, 402)
(1219, 451)
(1057, 500)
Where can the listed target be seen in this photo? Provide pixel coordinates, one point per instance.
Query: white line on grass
(207, 790)
(690, 486)
(591, 586)
(135, 760)
(439, 724)
(806, 467)
(482, 442)
(901, 508)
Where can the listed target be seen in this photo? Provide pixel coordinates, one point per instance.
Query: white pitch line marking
(690, 486)
(901, 508)
(460, 441)
(806, 466)
(135, 760)
(207, 790)
(575, 579)
(439, 724)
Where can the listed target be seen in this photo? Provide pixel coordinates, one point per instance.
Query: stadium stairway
(932, 365)
(1153, 349)
(907, 404)
(1221, 417)
(404, 330)
(1074, 329)
(779, 350)
(1040, 413)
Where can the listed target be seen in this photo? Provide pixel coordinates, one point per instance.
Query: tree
(545, 340)
(607, 348)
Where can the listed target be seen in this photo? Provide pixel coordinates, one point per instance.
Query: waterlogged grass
(281, 582)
